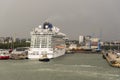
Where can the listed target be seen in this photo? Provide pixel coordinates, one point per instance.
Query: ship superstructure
(46, 42)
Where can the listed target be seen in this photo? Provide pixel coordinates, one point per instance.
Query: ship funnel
(47, 25)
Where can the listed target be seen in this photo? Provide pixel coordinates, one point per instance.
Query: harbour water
(68, 67)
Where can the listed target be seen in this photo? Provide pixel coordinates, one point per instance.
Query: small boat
(112, 57)
(45, 59)
(4, 54)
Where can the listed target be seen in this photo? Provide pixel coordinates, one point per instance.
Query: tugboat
(112, 57)
(46, 42)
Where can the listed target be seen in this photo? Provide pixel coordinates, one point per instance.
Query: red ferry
(4, 55)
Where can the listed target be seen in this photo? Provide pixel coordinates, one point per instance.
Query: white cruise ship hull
(43, 54)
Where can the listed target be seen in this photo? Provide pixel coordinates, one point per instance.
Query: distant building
(81, 39)
(88, 42)
(112, 43)
(2, 39)
(71, 42)
(94, 43)
(17, 40)
(73, 46)
(5, 40)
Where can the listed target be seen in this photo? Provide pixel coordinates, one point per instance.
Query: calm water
(68, 67)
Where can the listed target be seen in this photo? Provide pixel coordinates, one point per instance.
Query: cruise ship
(46, 42)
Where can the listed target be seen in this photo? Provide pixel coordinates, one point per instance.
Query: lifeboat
(60, 47)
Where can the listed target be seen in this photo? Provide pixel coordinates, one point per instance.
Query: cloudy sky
(99, 18)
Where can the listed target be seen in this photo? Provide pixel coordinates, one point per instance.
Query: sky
(98, 18)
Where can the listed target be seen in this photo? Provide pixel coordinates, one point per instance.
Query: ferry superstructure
(46, 42)
(112, 57)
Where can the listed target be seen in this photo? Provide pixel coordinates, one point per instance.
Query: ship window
(49, 42)
(35, 41)
(43, 42)
(32, 41)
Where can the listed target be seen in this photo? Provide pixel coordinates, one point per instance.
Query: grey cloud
(73, 17)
